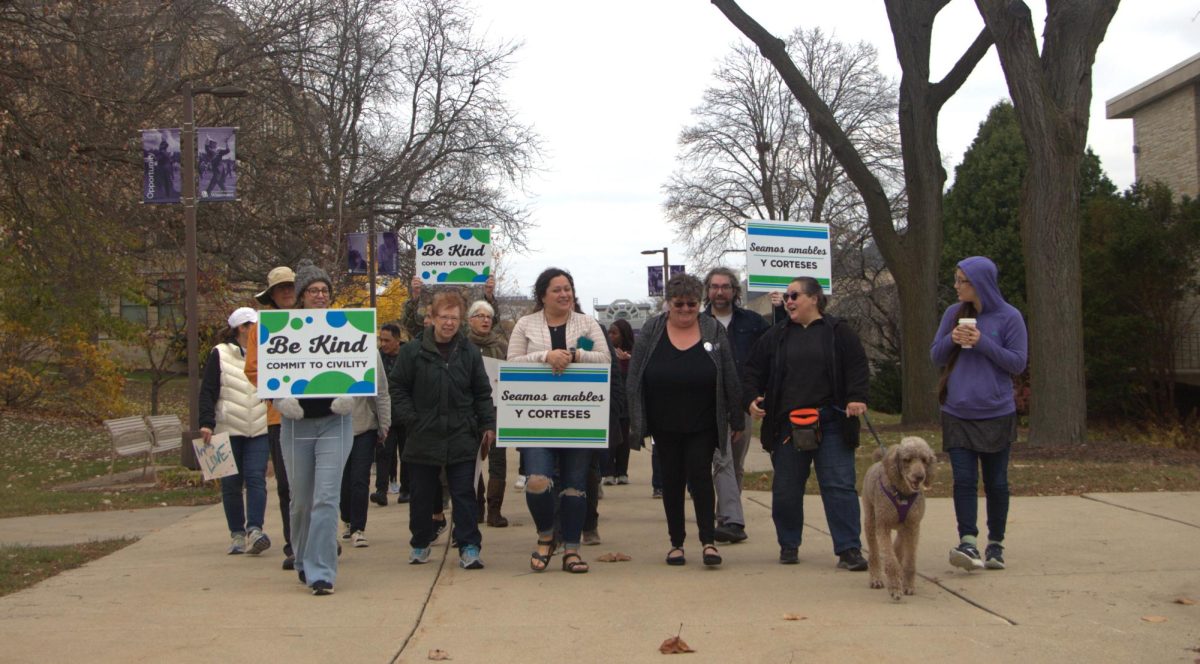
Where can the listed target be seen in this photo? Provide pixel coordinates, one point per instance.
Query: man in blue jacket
(723, 296)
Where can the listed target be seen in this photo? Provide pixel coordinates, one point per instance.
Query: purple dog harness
(902, 503)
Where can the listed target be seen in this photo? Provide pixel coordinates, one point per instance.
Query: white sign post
(305, 353)
(536, 408)
(778, 252)
(454, 255)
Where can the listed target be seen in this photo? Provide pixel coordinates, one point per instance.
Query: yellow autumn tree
(389, 300)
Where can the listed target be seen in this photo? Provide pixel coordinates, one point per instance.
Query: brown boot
(495, 497)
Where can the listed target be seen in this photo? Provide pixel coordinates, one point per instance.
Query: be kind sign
(316, 353)
(454, 255)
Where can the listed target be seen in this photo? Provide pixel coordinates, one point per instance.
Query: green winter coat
(444, 405)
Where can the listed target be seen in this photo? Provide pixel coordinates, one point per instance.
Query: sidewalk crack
(424, 603)
(1134, 509)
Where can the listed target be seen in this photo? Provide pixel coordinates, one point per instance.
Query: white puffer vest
(239, 410)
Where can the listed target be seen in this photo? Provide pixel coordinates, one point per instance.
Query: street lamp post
(187, 140)
(666, 266)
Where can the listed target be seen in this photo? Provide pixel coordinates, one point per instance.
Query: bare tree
(911, 249)
(1051, 89)
(753, 152)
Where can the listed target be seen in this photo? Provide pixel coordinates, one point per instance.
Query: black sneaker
(852, 559)
(403, 497)
(994, 556)
(289, 563)
(966, 556)
(322, 588)
(379, 498)
(730, 532)
(303, 579)
(789, 555)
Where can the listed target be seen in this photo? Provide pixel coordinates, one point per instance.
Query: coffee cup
(968, 322)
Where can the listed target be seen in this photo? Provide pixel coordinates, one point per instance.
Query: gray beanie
(307, 274)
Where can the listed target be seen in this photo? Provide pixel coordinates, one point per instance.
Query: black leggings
(686, 460)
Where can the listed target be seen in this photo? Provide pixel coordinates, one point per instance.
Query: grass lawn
(23, 566)
(1105, 464)
(40, 454)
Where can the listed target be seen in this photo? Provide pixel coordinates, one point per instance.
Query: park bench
(129, 435)
(166, 431)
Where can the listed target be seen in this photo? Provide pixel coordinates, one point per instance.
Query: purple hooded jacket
(980, 386)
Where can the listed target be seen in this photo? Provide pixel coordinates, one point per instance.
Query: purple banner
(160, 166)
(387, 254)
(654, 278)
(216, 163)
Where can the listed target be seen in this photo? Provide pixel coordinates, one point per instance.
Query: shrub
(886, 389)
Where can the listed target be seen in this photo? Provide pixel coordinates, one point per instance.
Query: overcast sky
(608, 86)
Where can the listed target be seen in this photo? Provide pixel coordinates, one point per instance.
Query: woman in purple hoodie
(980, 345)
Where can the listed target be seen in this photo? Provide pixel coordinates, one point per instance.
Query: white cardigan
(530, 339)
(239, 411)
(374, 413)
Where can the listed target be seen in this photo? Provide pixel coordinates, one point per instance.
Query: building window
(133, 311)
(170, 303)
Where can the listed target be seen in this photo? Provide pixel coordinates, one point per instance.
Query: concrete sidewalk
(1084, 573)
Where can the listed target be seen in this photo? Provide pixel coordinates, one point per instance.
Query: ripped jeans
(568, 469)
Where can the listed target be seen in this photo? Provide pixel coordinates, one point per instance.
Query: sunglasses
(792, 295)
(691, 304)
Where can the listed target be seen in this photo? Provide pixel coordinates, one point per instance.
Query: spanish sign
(454, 255)
(537, 408)
(305, 353)
(777, 252)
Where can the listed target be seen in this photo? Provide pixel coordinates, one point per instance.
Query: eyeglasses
(680, 304)
(316, 291)
(447, 319)
(961, 282)
(720, 287)
(481, 315)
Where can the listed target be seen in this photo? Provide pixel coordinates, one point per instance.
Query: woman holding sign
(229, 404)
(317, 436)
(683, 390)
(980, 345)
(557, 333)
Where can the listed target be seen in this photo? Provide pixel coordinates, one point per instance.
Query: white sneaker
(519, 485)
(237, 543)
(347, 532)
(358, 539)
(393, 488)
(257, 541)
(608, 480)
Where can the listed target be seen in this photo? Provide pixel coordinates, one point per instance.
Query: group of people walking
(691, 382)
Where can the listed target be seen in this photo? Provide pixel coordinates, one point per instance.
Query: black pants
(592, 518)
(426, 499)
(388, 467)
(616, 462)
(281, 487)
(356, 480)
(686, 460)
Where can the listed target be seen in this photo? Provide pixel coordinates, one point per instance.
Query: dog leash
(870, 426)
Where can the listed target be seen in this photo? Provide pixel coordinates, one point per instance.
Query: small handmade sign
(215, 458)
(305, 353)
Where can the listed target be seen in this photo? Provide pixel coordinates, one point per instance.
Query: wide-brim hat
(279, 275)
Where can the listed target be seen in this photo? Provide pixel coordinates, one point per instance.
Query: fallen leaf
(1155, 619)
(617, 557)
(793, 616)
(1186, 601)
(440, 655)
(674, 646)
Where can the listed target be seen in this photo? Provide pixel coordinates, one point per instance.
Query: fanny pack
(806, 429)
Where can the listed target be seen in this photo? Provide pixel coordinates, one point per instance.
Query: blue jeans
(315, 452)
(570, 466)
(356, 480)
(250, 454)
(966, 465)
(834, 461)
(426, 498)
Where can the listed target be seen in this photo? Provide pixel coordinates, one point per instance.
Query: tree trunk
(1051, 90)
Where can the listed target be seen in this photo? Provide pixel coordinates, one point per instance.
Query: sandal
(574, 564)
(711, 559)
(538, 562)
(676, 560)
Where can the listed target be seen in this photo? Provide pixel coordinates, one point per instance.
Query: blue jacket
(744, 330)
